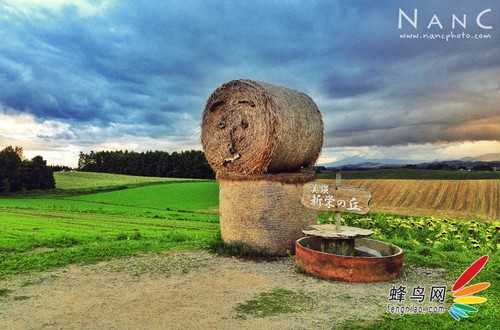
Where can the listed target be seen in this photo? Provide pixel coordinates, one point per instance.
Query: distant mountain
(363, 162)
(494, 157)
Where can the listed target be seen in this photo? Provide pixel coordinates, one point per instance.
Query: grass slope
(87, 180)
(183, 196)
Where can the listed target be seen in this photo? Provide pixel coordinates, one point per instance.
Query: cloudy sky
(80, 75)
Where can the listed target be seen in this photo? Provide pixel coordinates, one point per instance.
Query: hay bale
(253, 127)
(264, 211)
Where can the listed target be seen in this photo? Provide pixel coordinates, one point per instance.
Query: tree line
(184, 164)
(18, 173)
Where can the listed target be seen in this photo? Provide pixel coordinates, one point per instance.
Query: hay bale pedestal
(264, 211)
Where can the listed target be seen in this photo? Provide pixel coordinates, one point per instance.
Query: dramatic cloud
(135, 74)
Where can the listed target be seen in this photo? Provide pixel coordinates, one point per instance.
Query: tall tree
(17, 173)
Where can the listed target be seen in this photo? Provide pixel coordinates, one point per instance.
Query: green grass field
(139, 214)
(413, 174)
(82, 223)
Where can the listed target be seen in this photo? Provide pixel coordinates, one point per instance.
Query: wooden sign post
(338, 216)
(337, 198)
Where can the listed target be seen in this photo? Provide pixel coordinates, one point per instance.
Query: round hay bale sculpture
(264, 211)
(254, 127)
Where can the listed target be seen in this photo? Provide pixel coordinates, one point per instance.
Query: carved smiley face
(237, 130)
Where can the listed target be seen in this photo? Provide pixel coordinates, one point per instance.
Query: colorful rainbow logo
(464, 295)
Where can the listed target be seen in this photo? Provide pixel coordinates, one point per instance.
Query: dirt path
(195, 290)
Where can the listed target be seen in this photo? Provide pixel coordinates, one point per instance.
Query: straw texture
(264, 213)
(254, 127)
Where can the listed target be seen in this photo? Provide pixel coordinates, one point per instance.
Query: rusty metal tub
(383, 264)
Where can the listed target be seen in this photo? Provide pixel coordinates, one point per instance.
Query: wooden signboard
(322, 196)
(336, 198)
